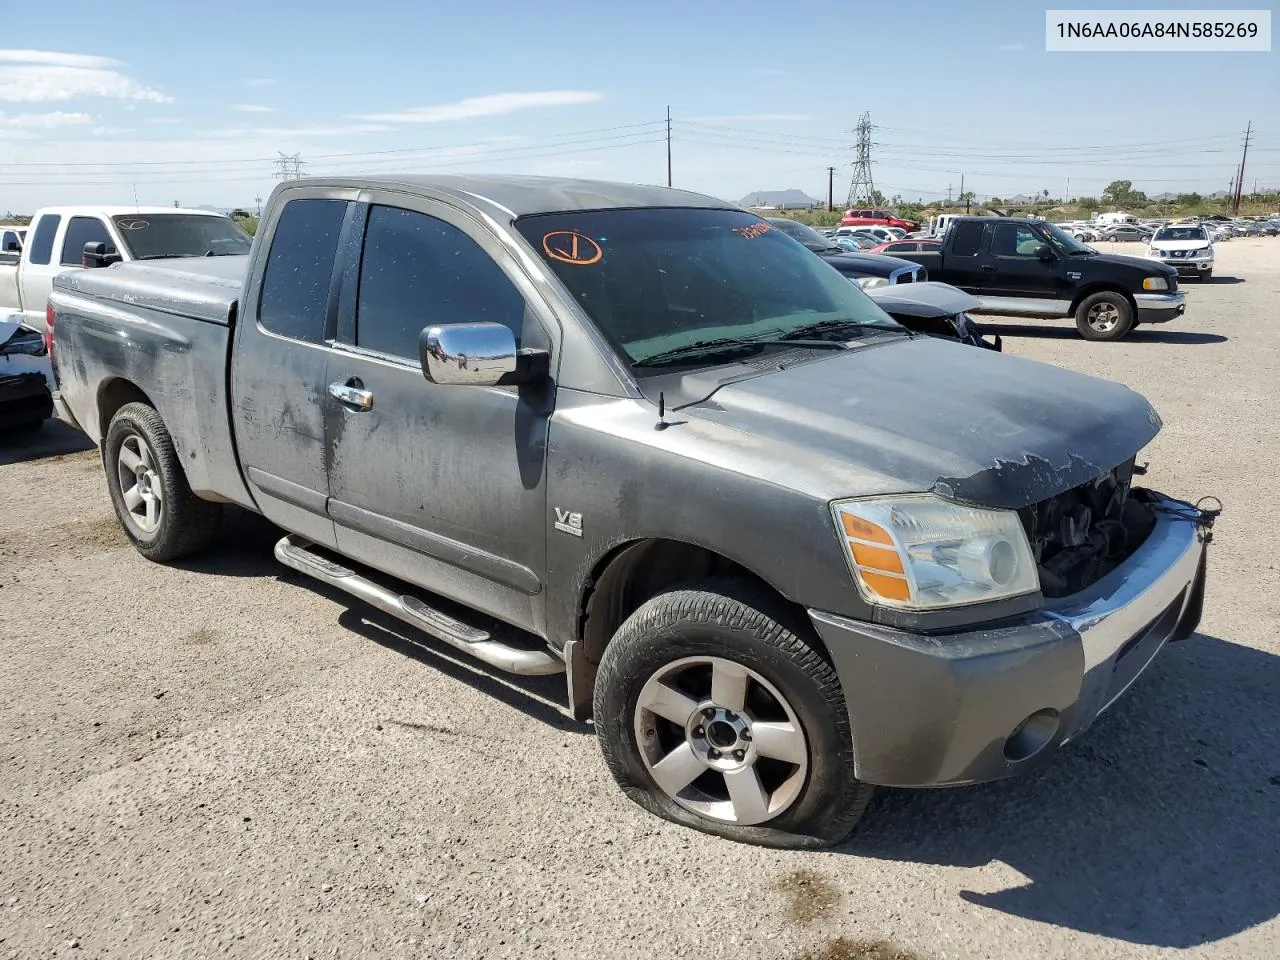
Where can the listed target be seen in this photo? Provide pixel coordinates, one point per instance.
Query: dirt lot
(214, 760)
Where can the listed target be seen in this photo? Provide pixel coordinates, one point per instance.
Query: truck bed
(164, 327)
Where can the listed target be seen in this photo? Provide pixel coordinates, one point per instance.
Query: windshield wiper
(721, 344)
(829, 326)
(700, 346)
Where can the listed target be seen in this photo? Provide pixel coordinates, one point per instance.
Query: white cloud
(492, 105)
(755, 118)
(34, 76)
(245, 133)
(42, 121)
(1013, 46)
(53, 59)
(252, 108)
(259, 82)
(111, 131)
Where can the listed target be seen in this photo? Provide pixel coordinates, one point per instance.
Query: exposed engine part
(1081, 535)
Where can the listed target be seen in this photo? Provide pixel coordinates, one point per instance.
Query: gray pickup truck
(783, 548)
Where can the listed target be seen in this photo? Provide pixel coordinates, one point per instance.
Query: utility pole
(1067, 197)
(831, 182)
(258, 201)
(948, 194)
(964, 196)
(1235, 204)
(861, 186)
(668, 146)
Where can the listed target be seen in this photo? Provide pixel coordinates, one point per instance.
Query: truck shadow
(53, 439)
(1160, 826)
(1222, 281)
(1140, 335)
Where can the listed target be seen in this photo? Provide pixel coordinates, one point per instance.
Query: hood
(928, 299)
(1147, 267)
(868, 264)
(1179, 244)
(927, 415)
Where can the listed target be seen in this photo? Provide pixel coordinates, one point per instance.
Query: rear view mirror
(99, 255)
(477, 354)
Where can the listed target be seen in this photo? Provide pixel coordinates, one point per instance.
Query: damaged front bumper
(948, 709)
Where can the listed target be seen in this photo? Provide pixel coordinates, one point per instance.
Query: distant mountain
(779, 200)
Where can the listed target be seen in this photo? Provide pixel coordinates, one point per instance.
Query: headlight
(1155, 283)
(1153, 252)
(921, 552)
(1206, 252)
(865, 282)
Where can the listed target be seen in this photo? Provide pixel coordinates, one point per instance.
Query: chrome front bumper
(1159, 307)
(933, 710)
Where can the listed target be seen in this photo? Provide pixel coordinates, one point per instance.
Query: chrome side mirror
(478, 355)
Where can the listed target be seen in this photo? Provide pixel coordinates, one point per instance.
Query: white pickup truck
(60, 238)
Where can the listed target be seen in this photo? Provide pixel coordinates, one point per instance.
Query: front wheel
(1104, 316)
(716, 708)
(1206, 276)
(153, 502)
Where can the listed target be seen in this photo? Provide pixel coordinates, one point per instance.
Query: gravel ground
(213, 760)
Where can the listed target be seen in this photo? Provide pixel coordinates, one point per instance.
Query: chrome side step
(296, 554)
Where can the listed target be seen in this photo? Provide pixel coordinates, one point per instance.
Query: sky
(105, 102)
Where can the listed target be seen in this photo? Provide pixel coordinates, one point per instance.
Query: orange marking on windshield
(751, 231)
(569, 246)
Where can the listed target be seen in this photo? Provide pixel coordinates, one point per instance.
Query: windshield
(1063, 240)
(1180, 233)
(810, 237)
(658, 279)
(155, 235)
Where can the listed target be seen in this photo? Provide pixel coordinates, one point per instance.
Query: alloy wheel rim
(721, 741)
(1104, 317)
(140, 486)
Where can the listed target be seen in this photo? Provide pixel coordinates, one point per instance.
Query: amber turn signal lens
(877, 558)
(888, 588)
(864, 529)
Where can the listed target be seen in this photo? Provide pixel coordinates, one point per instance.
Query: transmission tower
(288, 167)
(861, 187)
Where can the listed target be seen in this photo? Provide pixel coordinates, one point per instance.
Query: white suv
(1187, 247)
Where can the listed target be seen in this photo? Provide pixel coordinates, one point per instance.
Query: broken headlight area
(1081, 535)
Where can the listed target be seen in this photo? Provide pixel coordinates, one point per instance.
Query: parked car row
(646, 440)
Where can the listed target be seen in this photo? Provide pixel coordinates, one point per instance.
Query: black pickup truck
(1030, 268)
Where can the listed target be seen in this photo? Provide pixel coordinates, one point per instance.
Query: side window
(295, 285)
(417, 271)
(82, 230)
(966, 238)
(42, 240)
(1014, 240)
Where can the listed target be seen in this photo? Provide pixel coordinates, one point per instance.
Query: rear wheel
(1104, 316)
(715, 708)
(149, 491)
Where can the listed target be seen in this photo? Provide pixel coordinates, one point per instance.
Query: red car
(877, 218)
(893, 248)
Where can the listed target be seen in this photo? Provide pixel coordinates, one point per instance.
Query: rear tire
(682, 652)
(1104, 316)
(155, 506)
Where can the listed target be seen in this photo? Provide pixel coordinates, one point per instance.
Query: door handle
(989, 268)
(352, 394)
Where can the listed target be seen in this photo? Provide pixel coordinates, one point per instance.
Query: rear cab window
(41, 247)
(966, 238)
(298, 276)
(82, 230)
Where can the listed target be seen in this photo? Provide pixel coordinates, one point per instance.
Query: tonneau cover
(203, 288)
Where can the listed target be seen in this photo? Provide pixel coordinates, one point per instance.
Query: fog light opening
(1031, 736)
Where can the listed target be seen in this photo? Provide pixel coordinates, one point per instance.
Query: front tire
(155, 506)
(1206, 276)
(1104, 316)
(716, 708)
